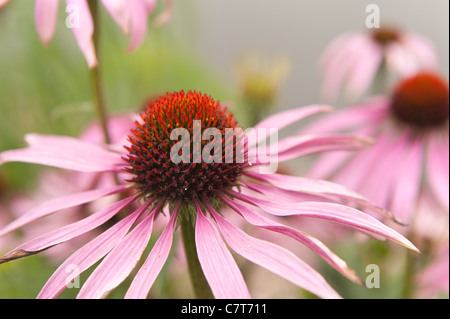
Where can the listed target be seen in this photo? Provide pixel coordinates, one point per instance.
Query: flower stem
(199, 283)
(408, 281)
(96, 80)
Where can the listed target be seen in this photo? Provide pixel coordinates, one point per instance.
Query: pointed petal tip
(16, 254)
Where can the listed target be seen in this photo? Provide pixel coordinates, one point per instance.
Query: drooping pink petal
(150, 5)
(166, 15)
(218, 265)
(297, 146)
(423, 50)
(64, 152)
(138, 23)
(57, 204)
(284, 195)
(389, 159)
(364, 69)
(283, 119)
(311, 242)
(66, 233)
(407, 182)
(46, 12)
(353, 175)
(118, 10)
(401, 60)
(88, 255)
(438, 168)
(316, 187)
(144, 279)
(275, 259)
(83, 29)
(335, 47)
(342, 214)
(330, 162)
(373, 109)
(337, 61)
(118, 264)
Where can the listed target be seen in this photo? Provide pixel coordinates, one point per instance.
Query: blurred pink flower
(411, 153)
(352, 60)
(130, 16)
(197, 192)
(434, 279)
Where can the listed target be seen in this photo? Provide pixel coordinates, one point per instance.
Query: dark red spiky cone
(385, 35)
(422, 101)
(155, 173)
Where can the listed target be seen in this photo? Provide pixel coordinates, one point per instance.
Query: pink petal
(345, 215)
(64, 152)
(150, 5)
(144, 279)
(285, 118)
(166, 15)
(423, 49)
(364, 70)
(118, 264)
(138, 19)
(275, 259)
(57, 204)
(337, 61)
(218, 265)
(335, 47)
(437, 168)
(46, 12)
(294, 147)
(283, 194)
(311, 242)
(379, 182)
(369, 112)
(88, 255)
(401, 60)
(407, 182)
(84, 32)
(354, 174)
(66, 233)
(329, 163)
(118, 10)
(316, 187)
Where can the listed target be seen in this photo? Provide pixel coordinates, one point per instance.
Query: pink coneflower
(352, 61)
(193, 194)
(130, 16)
(411, 153)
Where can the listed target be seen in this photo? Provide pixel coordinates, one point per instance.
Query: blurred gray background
(300, 30)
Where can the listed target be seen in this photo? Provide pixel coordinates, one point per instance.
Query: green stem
(100, 104)
(199, 283)
(408, 281)
(411, 263)
(380, 84)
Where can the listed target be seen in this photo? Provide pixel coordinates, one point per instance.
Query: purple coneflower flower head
(130, 16)
(352, 61)
(196, 191)
(411, 153)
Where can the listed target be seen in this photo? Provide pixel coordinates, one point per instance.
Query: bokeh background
(47, 90)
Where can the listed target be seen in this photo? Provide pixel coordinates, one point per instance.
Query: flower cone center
(421, 101)
(181, 118)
